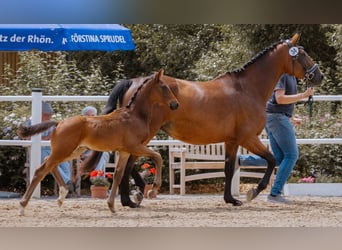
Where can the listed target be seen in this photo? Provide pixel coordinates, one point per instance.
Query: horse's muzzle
(315, 77)
(173, 105)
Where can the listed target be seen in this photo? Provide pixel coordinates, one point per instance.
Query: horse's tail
(115, 99)
(27, 131)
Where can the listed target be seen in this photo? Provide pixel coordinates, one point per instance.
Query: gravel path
(175, 211)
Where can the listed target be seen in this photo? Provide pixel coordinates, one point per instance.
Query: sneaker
(278, 199)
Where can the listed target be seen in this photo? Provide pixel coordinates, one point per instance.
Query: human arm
(282, 98)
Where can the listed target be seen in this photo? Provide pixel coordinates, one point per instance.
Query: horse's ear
(294, 39)
(159, 74)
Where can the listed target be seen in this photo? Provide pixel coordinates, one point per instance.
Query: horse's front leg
(119, 171)
(229, 168)
(63, 189)
(157, 159)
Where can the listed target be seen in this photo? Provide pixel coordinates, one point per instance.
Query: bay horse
(230, 109)
(125, 130)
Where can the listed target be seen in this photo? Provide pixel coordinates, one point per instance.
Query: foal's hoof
(62, 194)
(150, 194)
(251, 194)
(21, 211)
(111, 206)
(22, 205)
(59, 202)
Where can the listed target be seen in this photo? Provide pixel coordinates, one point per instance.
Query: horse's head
(301, 65)
(162, 93)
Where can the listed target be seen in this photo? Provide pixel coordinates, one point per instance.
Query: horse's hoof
(237, 203)
(251, 194)
(138, 197)
(21, 211)
(59, 202)
(130, 204)
(234, 202)
(111, 207)
(150, 194)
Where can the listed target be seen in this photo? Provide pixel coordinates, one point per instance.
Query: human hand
(309, 92)
(296, 120)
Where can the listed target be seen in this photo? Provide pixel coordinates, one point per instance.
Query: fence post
(35, 153)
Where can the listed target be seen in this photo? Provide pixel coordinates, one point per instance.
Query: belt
(282, 113)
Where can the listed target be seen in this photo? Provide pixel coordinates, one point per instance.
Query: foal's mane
(255, 58)
(134, 96)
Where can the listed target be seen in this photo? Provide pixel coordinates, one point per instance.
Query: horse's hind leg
(63, 190)
(38, 176)
(119, 171)
(255, 146)
(254, 192)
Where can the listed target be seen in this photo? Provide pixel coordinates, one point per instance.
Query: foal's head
(300, 63)
(153, 90)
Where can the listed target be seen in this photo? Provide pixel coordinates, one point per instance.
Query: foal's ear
(294, 39)
(159, 74)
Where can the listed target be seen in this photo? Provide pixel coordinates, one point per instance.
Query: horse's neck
(262, 76)
(142, 106)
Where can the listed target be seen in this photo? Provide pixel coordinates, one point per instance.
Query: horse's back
(221, 101)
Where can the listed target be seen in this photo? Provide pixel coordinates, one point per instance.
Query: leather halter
(309, 72)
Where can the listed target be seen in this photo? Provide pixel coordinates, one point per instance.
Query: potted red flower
(148, 173)
(100, 184)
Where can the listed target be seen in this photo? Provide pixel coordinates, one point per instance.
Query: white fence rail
(35, 143)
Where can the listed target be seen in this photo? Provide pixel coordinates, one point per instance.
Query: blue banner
(65, 37)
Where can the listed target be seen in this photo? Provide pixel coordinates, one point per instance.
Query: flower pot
(147, 188)
(99, 192)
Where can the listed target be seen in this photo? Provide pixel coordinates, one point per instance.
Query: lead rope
(310, 103)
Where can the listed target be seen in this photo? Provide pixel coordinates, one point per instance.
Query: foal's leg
(119, 171)
(38, 176)
(63, 189)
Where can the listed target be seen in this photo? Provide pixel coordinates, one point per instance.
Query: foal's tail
(114, 100)
(27, 131)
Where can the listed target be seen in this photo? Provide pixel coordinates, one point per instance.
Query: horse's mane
(255, 58)
(134, 96)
